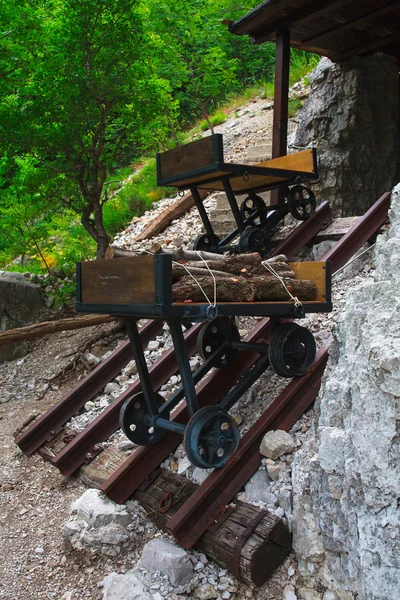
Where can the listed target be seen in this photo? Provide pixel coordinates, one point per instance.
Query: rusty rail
(359, 234)
(74, 454)
(127, 478)
(190, 522)
(305, 232)
(50, 424)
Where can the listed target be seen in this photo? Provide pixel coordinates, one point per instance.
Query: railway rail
(210, 500)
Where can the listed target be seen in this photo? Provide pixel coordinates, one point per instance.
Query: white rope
(353, 259)
(174, 262)
(194, 279)
(267, 266)
(212, 275)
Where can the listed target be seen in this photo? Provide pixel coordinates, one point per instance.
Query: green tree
(84, 102)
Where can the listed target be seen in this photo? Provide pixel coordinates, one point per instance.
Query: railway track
(122, 477)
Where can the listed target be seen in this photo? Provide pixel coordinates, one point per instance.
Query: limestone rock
(357, 141)
(276, 443)
(257, 488)
(98, 510)
(161, 555)
(98, 525)
(124, 587)
(346, 519)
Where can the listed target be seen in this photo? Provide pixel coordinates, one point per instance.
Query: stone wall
(346, 481)
(20, 304)
(352, 118)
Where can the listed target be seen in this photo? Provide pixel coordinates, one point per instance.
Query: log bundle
(238, 278)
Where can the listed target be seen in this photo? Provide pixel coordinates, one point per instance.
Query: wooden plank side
(118, 281)
(188, 157)
(314, 271)
(299, 161)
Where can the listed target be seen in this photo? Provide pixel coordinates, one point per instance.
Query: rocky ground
(38, 559)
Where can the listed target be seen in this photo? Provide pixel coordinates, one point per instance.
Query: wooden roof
(338, 29)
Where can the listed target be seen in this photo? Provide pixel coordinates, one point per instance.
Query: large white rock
(97, 524)
(161, 555)
(276, 443)
(98, 510)
(346, 481)
(124, 587)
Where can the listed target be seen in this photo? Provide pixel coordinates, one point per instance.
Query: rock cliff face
(346, 521)
(352, 117)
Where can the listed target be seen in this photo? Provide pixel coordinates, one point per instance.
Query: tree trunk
(240, 289)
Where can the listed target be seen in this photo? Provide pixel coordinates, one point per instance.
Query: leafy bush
(216, 119)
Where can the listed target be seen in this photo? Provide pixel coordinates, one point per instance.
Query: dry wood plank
(315, 271)
(162, 221)
(95, 473)
(31, 332)
(336, 230)
(187, 158)
(118, 281)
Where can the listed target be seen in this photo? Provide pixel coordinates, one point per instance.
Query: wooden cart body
(142, 287)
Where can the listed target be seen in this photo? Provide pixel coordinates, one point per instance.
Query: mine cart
(141, 288)
(200, 165)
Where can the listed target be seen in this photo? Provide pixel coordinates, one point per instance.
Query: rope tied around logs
(269, 268)
(174, 262)
(212, 304)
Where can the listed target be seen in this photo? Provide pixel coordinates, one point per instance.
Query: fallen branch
(176, 210)
(31, 332)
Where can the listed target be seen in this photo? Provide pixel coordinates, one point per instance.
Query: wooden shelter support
(281, 101)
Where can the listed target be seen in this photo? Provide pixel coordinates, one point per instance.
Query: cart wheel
(213, 335)
(135, 423)
(249, 205)
(292, 350)
(211, 437)
(204, 243)
(301, 202)
(254, 239)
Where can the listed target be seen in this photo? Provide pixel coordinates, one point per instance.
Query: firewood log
(240, 289)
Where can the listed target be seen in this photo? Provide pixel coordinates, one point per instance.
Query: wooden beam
(281, 101)
(316, 9)
(31, 332)
(321, 37)
(376, 44)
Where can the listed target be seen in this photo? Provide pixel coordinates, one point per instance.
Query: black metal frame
(231, 171)
(176, 315)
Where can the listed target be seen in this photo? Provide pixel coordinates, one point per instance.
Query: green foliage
(87, 88)
(216, 119)
(294, 106)
(301, 63)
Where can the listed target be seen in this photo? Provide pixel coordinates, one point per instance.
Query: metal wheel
(213, 335)
(254, 239)
(301, 202)
(249, 205)
(211, 437)
(204, 243)
(292, 350)
(135, 422)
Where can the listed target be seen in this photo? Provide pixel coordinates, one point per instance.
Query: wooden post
(281, 101)
(250, 543)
